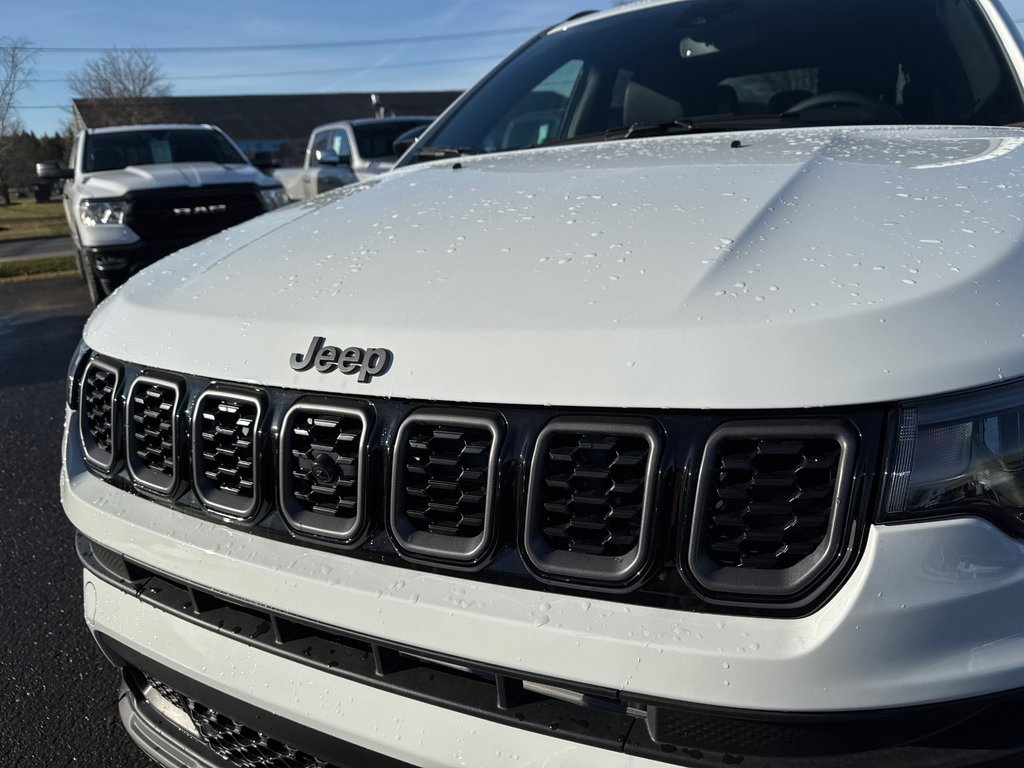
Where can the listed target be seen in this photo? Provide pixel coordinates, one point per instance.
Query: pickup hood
(789, 268)
(135, 178)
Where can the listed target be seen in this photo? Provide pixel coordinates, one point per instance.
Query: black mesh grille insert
(771, 500)
(236, 742)
(225, 452)
(322, 467)
(152, 433)
(98, 413)
(444, 474)
(593, 492)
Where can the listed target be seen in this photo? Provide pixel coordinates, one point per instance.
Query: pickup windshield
(721, 65)
(110, 151)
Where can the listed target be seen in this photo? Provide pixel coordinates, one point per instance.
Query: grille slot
(444, 484)
(323, 469)
(236, 742)
(591, 499)
(99, 415)
(152, 432)
(770, 505)
(226, 452)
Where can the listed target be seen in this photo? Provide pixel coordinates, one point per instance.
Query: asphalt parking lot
(59, 694)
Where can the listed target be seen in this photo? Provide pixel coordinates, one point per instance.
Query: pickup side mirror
(330, 157)
(51, 170)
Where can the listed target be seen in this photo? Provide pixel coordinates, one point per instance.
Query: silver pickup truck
(345, 152)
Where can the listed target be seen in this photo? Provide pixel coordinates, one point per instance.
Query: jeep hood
(136, 178)
(791, 268)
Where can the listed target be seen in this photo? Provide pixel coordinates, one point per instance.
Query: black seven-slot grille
(513, 493)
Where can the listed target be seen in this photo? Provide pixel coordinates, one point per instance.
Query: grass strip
(24, 219)
(44, 266)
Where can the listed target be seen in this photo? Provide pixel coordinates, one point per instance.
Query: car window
(836, 62)
(375, 139)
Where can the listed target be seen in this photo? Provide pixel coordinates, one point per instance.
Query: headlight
(274, 197)
(960, 455)
(95, 212)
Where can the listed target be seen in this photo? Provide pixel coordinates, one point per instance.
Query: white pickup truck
(136, 193)
(344, 152)
(663, 407)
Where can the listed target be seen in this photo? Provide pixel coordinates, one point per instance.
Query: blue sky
(154, 24)
(426, 65)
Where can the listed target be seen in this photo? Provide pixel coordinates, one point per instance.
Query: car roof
(152, 127)
(375, 121)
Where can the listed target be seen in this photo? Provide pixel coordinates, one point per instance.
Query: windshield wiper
(723, 124)
(439, 153)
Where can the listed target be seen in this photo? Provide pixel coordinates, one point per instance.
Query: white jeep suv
(665, 406)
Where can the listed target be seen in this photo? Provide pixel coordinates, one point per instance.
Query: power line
(309, 71)
(296, 46)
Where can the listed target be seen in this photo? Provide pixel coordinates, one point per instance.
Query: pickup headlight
(960, 455)
(96, 212)
(274, 197)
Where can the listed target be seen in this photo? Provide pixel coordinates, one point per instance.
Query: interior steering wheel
(874, 108)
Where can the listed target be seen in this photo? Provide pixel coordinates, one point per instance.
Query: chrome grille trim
(142, 471)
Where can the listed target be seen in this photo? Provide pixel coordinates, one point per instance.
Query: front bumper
(923, 620)
(116, 263)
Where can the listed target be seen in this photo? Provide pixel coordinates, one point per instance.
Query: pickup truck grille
(191, 214)
(666, 508)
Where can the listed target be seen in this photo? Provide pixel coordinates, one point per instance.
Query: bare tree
(126, 85)
(15, 68)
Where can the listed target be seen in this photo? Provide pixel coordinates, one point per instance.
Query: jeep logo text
(368, 363)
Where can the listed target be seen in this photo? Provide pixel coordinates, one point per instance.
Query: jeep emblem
(375, 361)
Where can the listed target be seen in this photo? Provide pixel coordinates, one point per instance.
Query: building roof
(266, 117)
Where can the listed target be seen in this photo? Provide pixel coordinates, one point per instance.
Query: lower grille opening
(235, 742)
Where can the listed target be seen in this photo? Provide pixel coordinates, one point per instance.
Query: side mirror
(330, 157)
(51, 170)
(406, 140)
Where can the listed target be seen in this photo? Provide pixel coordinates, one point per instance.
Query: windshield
(375, 139)
(734, 64)
(110, 151)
